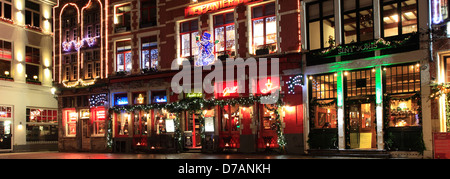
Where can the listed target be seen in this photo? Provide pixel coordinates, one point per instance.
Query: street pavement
(65, 155)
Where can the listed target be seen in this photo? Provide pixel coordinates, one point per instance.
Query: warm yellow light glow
(289, 108)
(19, 56)
(53, 90)
(19, 68)
(19, 5)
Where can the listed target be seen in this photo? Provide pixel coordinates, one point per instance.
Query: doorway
(361, 125)
(193, 139)
(5, 135)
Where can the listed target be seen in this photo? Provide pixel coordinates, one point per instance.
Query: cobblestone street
(63, 155)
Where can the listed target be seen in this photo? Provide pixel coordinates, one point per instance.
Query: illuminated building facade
(368, 76)
(80, 74)
(28, 110)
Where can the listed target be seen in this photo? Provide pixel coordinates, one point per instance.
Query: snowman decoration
(205, 49)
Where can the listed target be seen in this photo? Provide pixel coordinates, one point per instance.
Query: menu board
(441, 142)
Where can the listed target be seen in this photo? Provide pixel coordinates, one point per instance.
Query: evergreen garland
(281, 139)
(198, 104)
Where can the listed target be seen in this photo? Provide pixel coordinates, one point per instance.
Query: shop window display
(325, 116)
(122, 124)
(230, 118)
(164, 121)
(98, 121)
(404, 112)
(41, 124)
(70, 119)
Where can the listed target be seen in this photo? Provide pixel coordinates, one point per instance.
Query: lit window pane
(128, 61)
(194, 44)
(120, 62)
(185, 45)
(230, 37)
(314, 35)
(271, 30)
(258, 32)
(219, 35)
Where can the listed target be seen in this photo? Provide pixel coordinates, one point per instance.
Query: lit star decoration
(294, 81)
(97, 100)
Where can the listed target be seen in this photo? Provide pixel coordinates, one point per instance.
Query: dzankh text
(245, 168)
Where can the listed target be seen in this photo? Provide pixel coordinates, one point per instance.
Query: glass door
(361, 118)
(5, 135)
(192, 130)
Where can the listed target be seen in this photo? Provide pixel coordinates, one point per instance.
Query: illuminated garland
(437, 90)
(378, 44)
(198, 104)
(80, 82)
(294, 81)
(281, 140)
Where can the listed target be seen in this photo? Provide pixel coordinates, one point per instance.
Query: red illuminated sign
(226, 89)
(268, 85)
(213, 6)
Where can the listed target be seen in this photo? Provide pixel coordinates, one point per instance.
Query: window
(98, 121)
(404, 111)
(67, 73)
(5, 58)
(97, 69)
(148, 13)
(70, 118)
(97, 30)
(32, 14)
(324, 89)
(89, 32)
(360, 83)
(320, 25)
(402, 79)
(74, 72)
(162, 122)
(5, 9)
(32, 55)
(5, 68)
(123, 55)
(140, 123)
(149, 58)
(75, 34)
(122, 124)
(5, 112)
(399, 17)
(402, 85)
(357, 21)
(67, 35)
(139, 98)
(188, 34)
(32, 72)
(230, 118)
(324, 86)
(224, 32)
(264, 27)
(41, 124)
(89, 71)
(123, 16)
